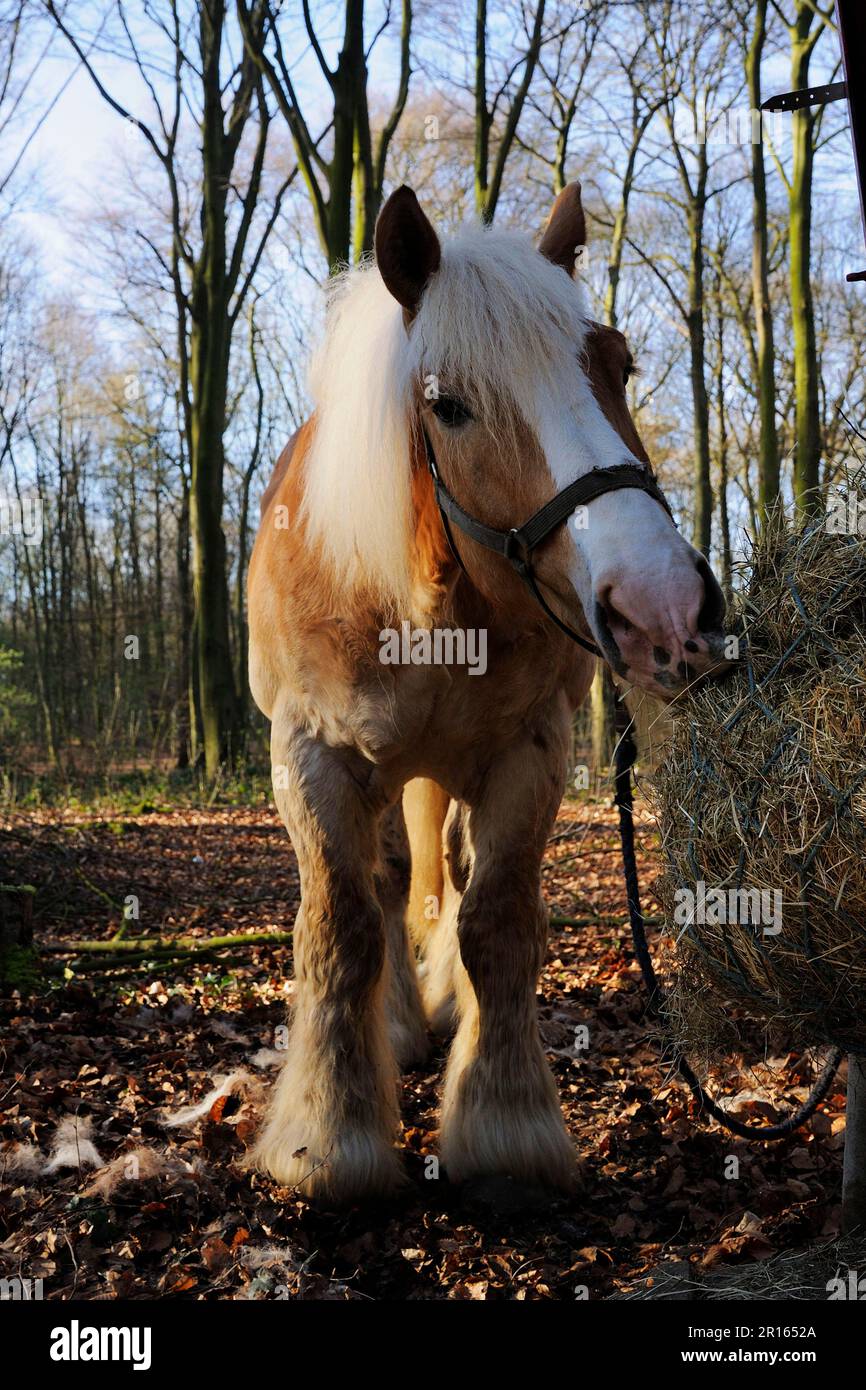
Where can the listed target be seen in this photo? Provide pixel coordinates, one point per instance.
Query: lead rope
(624, 757)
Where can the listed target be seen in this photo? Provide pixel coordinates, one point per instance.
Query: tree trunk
(488, 180)
(617, 241)
(807, 451)
(210, 340)
(18, 959)
(768, 449)
(603, 710)
(721, 415)
(603, 691)
(184, 731)
(240, 605)
(364, 189)
(216, 687)
(702, 535)
(341, 171)
(482, 116)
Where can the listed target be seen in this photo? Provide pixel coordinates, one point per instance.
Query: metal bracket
(807, 96)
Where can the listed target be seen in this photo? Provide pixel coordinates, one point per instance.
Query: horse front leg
(333, 1116)
(501, 1113)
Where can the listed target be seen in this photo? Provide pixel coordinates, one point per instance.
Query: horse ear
(565, 232)
(407, 248)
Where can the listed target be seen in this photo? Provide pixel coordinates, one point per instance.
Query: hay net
(761, 803)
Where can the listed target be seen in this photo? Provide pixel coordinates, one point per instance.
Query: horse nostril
(606, 608)
(712, 614)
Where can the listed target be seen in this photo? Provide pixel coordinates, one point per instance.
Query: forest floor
(96, 1062)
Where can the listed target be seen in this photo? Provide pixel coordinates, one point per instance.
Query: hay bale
(763, 792)
(829, 1270)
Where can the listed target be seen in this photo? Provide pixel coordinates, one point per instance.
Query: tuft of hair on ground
(250, 1089)
(763, 791)
(72, 1146)
(135, 1165)
(21, 1161)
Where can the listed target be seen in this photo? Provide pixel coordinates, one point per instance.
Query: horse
(419, 793)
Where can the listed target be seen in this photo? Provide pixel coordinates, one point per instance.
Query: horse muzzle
(667, 636)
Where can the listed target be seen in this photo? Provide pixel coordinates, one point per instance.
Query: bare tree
(765, 369)
(354, 174)
(564, 62)
(209, 268)
(805, 27)
(688, 82)
(492, 154)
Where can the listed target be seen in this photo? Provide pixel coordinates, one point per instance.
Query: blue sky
(80, 150)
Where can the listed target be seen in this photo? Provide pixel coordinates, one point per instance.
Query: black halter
(517, 545)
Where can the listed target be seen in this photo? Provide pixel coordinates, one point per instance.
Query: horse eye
(626, 375)
(451, 411)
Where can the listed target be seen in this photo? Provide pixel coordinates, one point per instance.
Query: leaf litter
(129, 1097)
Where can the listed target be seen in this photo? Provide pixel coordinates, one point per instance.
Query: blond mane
(497, 318)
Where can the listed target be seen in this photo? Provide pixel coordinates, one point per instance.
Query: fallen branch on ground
(161, 945)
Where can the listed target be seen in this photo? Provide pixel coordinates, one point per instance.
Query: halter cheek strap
(516, 546)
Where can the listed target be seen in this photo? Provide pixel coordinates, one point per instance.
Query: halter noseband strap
(516, 546)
